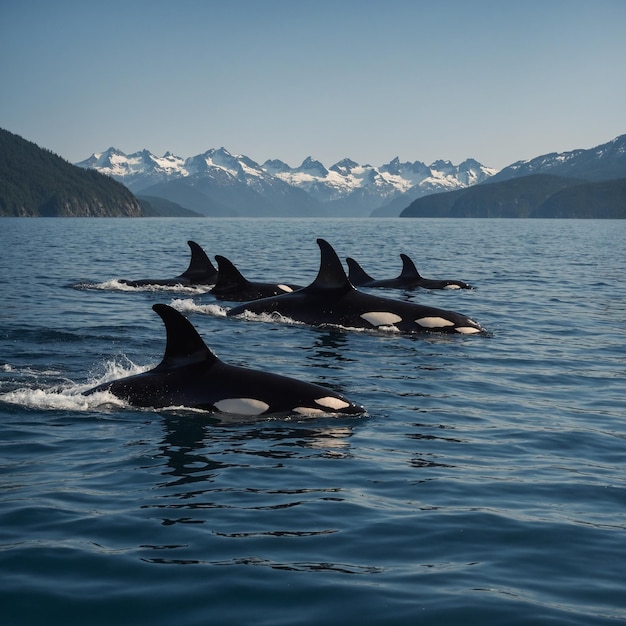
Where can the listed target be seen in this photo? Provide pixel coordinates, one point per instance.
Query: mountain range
(218, 183)
(586, 183)
(578, 184)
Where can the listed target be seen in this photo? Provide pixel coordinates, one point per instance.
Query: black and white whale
(190, 375)
(331, 299)
(200, 272)
(409, 278)
(233, 286)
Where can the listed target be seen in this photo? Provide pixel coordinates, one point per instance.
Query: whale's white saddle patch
(242, 406)
(381, 318)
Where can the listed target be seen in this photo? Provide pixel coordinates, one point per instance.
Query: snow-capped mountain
(219, 183)
(604, 162)
(140, 169)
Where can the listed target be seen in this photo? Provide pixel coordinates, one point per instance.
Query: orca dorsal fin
(184, 346)
(331, 274)
(408, 268)
(356, 274)
(200, 266)
(229, 278)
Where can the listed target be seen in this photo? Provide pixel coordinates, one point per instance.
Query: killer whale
(331, 299)
(200, 272)
(231, 284)
(191, 375)
(360, 278)
(409, 278)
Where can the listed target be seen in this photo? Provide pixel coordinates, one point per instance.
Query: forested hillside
(537, 195)
(36, 182)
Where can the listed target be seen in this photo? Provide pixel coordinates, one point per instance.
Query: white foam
(381, 318)
(68, 397)
(119, 369)
(189, 306)
(433, 322)
(242, 406)
(268, 317)
(117, 285)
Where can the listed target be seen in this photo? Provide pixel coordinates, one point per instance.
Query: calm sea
(485, 485)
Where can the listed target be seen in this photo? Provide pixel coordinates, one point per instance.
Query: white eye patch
(285, 288)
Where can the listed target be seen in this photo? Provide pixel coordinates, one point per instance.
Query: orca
(191, 375)
(331, 299)
(231, 285)
(409, 278)
(200, 272)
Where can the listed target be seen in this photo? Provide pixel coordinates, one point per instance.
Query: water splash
(189, 306)
(68, 396)
(116, 284)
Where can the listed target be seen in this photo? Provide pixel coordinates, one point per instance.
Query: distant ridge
(578, 184)
(153, 206)
(604, 162)
(537, 195)
(36, 182)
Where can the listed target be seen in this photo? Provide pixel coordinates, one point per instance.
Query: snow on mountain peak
(344, 167)
(275, 166)
(312, 167)
(358, 187)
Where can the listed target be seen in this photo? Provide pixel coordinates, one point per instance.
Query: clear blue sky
(496, 80)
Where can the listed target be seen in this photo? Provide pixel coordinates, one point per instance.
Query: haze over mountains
(219, 183)
(585, 183)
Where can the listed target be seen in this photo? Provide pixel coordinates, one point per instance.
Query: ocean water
(485, 485)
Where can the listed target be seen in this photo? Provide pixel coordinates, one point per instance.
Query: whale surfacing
(200, 272)
(233, 286)
(409, 278)
(331, 299)
(191, 375)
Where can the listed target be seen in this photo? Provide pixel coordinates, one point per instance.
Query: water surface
(485, 485)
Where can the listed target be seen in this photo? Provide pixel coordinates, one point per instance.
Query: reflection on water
(192, 443)
(199, 449)
(329, 348)
(457, 499)
(206, 465)
(343, 568)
